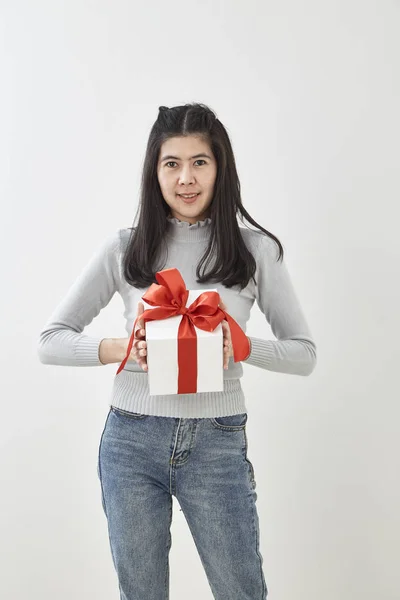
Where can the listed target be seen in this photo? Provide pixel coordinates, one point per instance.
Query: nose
(186, 175)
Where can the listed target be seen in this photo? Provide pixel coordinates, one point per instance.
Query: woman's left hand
(226, 330)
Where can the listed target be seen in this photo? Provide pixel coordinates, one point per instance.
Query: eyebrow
(169, 156)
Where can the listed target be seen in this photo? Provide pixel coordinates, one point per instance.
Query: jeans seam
(166, 582)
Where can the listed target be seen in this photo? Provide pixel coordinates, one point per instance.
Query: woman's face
(186, 165)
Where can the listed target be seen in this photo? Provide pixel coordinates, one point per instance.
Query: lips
(190, 200)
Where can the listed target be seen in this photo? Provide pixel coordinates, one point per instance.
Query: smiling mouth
(190, 199)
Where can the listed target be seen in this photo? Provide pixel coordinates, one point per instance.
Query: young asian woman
(191, 446)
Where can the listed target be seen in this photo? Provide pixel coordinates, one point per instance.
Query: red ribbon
(169, 298)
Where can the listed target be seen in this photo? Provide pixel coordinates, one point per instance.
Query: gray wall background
(309, 92)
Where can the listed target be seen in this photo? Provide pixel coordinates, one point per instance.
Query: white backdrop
(309, 92)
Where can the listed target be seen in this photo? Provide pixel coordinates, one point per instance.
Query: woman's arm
(294, 352)
(61, 341)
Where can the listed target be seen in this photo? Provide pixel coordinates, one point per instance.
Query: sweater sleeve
(294, 352)
(61, 341)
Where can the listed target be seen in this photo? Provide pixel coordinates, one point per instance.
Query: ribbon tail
(187, 357)
(240, 342)
(128, 351)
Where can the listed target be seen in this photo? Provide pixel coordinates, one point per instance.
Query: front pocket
(251, 473)
(230, 422)
(125, 413)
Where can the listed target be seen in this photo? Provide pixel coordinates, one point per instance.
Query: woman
(193, 446)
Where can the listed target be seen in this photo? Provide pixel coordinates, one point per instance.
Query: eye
(172, 162)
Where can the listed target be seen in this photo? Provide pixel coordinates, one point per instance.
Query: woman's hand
(226, 331)
(113, 350)
(139, 348)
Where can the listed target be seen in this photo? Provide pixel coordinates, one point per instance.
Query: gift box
(163, 360)
(185, 337)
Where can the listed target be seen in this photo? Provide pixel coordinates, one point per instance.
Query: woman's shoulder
(116, 241)
(123, 236)
(259, 243)
(125, 233)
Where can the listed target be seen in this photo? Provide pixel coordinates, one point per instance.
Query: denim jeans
(143, 461)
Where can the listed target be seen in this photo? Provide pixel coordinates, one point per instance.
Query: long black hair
(232, 262)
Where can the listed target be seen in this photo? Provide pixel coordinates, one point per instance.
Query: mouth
(189, 198)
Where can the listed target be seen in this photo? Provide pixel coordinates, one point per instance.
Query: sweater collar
(188, 232)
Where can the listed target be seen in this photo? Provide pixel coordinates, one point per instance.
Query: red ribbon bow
(170, 299)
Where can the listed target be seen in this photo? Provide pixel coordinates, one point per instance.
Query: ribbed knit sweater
(62, 341)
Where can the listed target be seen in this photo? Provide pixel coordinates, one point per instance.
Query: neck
(188, 232)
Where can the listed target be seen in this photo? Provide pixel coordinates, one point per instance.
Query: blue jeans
(143, 461)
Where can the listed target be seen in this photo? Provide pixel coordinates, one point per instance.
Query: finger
(143, 365)
(141, 344)
(140, 348)
(140, 311)
(140, 353)
(227, 331)
(141, 361)
(224, 329)
(226, 356)
(138, 345)
(140, 334)
(138, 330)
(226, 337)
(226, 361)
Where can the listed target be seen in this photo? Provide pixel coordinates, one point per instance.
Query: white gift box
(162, 354)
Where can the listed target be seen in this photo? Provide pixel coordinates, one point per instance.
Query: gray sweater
(62, 341)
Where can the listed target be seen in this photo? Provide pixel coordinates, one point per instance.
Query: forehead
(184, 147)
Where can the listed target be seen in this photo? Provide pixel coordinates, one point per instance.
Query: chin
(192, 212)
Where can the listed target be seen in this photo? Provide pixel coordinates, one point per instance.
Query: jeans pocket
(126, 414)
(230, 422)
(251, 473)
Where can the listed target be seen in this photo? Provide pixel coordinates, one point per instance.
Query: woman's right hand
(113, 350)
(139, 348)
